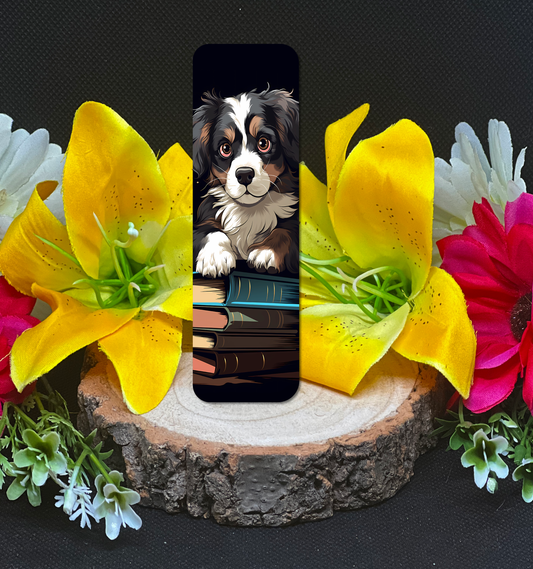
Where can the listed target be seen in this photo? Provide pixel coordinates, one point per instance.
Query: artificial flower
(75, 499)
(494, 267)
(15, 318)
(367, 284)
(462, 436)
(25, 160)
(120, 271)
(42, 456)
(113, 502)
(525, 473)
(470, 176)
(484, 456)
(23, 484)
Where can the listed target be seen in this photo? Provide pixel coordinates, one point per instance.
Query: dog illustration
(245, 150)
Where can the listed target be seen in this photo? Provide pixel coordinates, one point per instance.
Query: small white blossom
(75, 500)
(25, 160)
(470, 176)
(113, 502)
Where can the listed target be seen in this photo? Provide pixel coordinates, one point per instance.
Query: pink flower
(15, 317)
(494, 267)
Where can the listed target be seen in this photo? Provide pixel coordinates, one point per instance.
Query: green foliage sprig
(38, 442)
(506, 430)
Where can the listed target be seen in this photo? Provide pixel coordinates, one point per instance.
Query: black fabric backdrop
(437, 63)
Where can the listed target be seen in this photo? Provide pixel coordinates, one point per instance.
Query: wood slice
(269, 464)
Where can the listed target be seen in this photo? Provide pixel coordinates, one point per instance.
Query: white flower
(470, 177)
(75, 499)
(113, 502)
(25, 160)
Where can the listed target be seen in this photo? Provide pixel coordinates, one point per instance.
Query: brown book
(238, 363)
(228, 319)
(256, 340)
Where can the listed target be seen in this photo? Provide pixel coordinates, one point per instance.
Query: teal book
(246, 290)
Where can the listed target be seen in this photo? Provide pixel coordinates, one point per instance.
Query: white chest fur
(245, 225)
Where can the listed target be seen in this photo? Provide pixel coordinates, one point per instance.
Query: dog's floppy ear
(288, 123)
(202, 127)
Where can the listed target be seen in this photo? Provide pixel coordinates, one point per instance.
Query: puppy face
(247, 144)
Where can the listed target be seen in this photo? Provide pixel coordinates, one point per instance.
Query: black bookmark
(245, 288)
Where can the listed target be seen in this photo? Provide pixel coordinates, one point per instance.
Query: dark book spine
(254, 341)
(262, 318)
(233, 363)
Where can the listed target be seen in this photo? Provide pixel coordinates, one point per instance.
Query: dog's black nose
(245, 175)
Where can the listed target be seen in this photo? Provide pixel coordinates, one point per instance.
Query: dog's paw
(264, 260)
(216, 257)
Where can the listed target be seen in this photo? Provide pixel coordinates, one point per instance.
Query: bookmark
(245, 284)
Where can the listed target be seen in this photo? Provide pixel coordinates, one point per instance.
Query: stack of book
(245, 331)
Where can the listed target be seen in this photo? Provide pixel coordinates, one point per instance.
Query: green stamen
(94, 286)
(325, 283)
(59, 250)
(359, 303)
(123, 285)
(133, 234)
(102, 230)
(389, 289)
(132, 287)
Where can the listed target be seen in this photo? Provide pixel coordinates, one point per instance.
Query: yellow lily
(367, 284)
(120, 272)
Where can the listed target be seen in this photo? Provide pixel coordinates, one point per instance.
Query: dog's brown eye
(225, 150)
(263, 144)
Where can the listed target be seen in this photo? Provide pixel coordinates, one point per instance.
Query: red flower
(15, 317)
(494, 267)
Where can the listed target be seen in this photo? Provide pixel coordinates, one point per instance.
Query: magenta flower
(494, 268)
(15, 318)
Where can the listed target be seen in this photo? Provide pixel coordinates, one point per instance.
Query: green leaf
(4, 463)
(15, 490)
(51, 443)
(34, 495)
(90, 437)
(24, 458)
(58, 463)
(497, 417)
(4, 468)
(39, 473)
(519, 453)
(32, 439)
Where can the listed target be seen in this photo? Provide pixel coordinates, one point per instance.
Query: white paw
(216, 258)
(262, 259)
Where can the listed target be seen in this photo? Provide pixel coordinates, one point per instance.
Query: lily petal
(338, 346)
(70, 327)
(439, 333)
(317, 239)
(384, 202)
(110, 171)
(177, 302)
(176, 167)
(175, 254)
(338, 136)
(317, 236)
(25, 259)
(145, 353)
